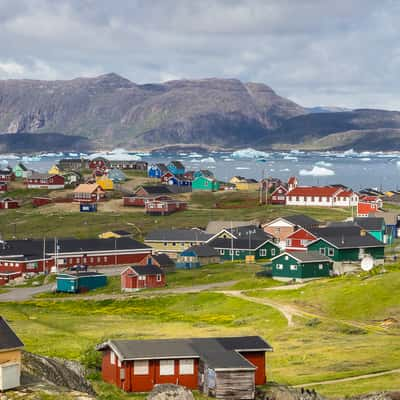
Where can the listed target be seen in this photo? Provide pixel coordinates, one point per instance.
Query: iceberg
(249, 153)
(195, 155)
(242, 168)
(208, 160)
(291, 158)
(365, 159)
(284, 170)
(323, 164)
(228, 159)
(9, 156)
(317, 171)
(116, 154)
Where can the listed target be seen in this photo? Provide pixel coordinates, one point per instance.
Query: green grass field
(304, 353)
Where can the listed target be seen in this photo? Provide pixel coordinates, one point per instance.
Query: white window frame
(263, 252)
(293, 267)
(159, 278)
(222, 252)
(237, 252)
(112, 358)
(186, 366)
(322, 251)
(320, 266)
(141, 367)
(279, 266)
(331, 252)
(273, 252)
(167, 367)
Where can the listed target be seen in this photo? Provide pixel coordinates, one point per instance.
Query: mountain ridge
(111, 111)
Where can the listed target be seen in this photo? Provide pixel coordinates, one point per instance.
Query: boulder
(170, 392)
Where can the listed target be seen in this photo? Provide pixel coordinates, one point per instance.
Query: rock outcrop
(170, 392)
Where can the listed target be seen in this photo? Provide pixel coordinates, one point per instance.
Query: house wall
(257, 358)
(279, 229)
(145, 383)
(131, 281)
(299, 240)
(169, 247)
(302, 271)
(321, 201)
(234, 385)
(10, 356)
(238, 254)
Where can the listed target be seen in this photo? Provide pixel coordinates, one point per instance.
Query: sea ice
(249, 153)
(317, 171)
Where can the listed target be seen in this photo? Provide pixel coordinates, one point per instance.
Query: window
(237, 252)
(158, 277)
(112, 358)
(167, 367)
(141, 367)
(263, 252)
(165, 244)
(222, 252)
(293, 267)
(286, 258)
(273, 251)
(119, 362)
(322, 251)
(279, 266)
(173, 244)
(186, 367)
(105, 259)
(142, 277)
(231, 252)
(331, 252)
(288, 242)
(321, 266)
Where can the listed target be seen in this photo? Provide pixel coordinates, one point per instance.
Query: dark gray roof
(147, 269)
(34, 247)
(252, 231)
(346, 237)
(179, 235)
(122, 232)
(308, 256)
(301, 220)
(203, 250)
(157, 189)
(370, 223)
(218, 353)
(236, 244)
(163, 259)
(162, 167)
(177, 164)
(8, 338)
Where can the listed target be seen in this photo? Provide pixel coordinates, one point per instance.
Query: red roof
(369, 199)
(292, 180)
(313, 191)
(345, 193)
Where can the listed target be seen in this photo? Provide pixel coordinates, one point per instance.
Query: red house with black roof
(139, 277)
(221, 367)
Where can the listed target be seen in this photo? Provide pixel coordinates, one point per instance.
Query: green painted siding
(202, 183)
(269, 250)
(344, 254)
(288, 267)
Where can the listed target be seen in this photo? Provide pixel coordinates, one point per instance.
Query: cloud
(317, 53)
(317, 171)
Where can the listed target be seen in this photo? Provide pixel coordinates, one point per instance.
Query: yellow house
(174, 241)
(10, 357)
(54, 170)
(242, 183)
(105, 182)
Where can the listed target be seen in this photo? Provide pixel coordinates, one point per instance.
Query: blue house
(80, 282)
(196, 256)
(176, 167)
(157, 170)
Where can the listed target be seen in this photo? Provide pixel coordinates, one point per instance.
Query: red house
(8, 203)
(278, 196)
(164, 207)
(7, 175)
(145, 193)
(368, 205)
(3, 187)
(88, 193)
(298, 240)
(45, 181)
(141, 277)
(221, 367)
(99, 163)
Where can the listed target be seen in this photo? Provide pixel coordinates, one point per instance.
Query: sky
(342, 53)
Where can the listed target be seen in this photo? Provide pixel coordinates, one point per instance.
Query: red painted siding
(294, 241)
(8, 204)
(365, 208)
(257, 358)
(131, 281)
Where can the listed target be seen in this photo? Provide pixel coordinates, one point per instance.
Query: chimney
(363, 232)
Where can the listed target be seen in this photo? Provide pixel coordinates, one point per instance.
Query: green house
(20, 171)
(301, 265)
(80, 282)
(376, 227)
(238, 249)
(346, 243)
(205, 183)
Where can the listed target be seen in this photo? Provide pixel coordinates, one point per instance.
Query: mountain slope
(114, 111)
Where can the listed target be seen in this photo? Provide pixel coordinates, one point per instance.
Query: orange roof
(369, 199)
(313, 191)
(345, 193)
(87, 188)
(292, 180)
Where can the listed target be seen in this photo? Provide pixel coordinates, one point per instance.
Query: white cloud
(11, 69)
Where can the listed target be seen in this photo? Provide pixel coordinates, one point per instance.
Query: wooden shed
(141, 277)
(198, 255)
(8, 203)
(3, 187)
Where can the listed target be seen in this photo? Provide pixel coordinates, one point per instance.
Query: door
(9, 376)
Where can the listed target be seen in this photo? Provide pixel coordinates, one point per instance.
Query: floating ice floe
(228, 159)
(249, 153)
(116, 154)
(365, 159)
(208, 160)
(284, 170)
(195, 155)
(9, 156)
(290, 158)
(323, 164)
(317, 171)
(73, 154)
(242, 168)
(31, 158)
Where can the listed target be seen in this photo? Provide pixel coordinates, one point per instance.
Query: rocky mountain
(110, 111)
